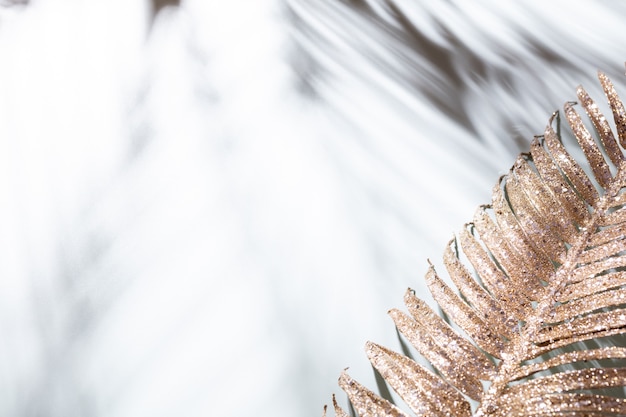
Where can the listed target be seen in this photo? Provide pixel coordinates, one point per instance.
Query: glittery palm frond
(541, 279)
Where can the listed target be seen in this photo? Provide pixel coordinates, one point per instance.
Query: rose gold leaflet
(519, 243)
(589, 303)
(611, 352)
(415, 384)
(582, 326)
(590, 270)
(619, 114)
(614, 218)
(544, 201)
(485, 306)
(602, 126)
(339, 412)
(365, 402)
(538, 232)
(600, 252)
(463, 315)
(591, 378)
(570, 167)
(609, 234)
(619, 199)
(456, 347)
(436, 355)
(560, 405)
(523, 277)
(515, 303)
(540, 349)
(592, 285)
(572, 204)
(589, 146)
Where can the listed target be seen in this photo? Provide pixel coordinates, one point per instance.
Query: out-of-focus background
(207, 207)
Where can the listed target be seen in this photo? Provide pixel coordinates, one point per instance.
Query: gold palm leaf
(541, 279)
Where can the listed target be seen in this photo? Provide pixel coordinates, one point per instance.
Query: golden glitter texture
(538, 275)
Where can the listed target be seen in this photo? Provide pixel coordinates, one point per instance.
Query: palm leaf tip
(539, 290)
